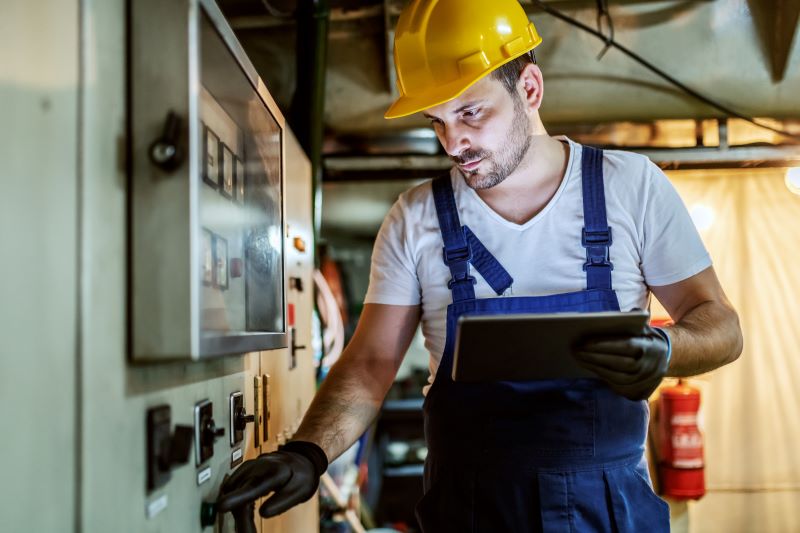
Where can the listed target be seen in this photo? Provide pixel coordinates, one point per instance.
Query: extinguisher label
(687, 449)
(684, 419)
(687, 463)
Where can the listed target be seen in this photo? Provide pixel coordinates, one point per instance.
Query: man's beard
(504, 163)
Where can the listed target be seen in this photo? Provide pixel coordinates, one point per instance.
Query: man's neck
(525, 192)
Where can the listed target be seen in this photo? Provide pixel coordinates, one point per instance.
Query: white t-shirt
(654, 242)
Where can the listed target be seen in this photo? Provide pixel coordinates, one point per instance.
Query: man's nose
(454, 140)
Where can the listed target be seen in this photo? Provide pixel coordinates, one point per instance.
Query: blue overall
(553, 455)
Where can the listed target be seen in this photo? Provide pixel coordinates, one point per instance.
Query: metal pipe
(394, 167)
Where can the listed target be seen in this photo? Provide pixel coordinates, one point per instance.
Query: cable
(609, 41)
(603, 14)
(275, 12)
(333, 329)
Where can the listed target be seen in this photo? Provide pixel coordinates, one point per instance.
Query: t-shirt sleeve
(393, 278)
(672, 249)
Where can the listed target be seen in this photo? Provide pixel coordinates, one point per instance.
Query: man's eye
(471, 113)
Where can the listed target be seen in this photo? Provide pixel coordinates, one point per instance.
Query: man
(528, 223)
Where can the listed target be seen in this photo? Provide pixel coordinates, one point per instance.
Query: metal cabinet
(207, 190)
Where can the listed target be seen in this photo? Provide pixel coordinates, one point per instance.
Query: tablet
(528, 347)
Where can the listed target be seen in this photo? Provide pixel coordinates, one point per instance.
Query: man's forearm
(343, 408)
(705, 338)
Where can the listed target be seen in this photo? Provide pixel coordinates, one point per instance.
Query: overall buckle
(460, 255)
(458, 262)
(461, 277)
(597, 241)
(596, 238)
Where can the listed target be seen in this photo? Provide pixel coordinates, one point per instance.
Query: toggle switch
(238, 418)
(211, 432)
(243, 419)
(293, 348)
(296, 284)
(205, 431)
(165, 449)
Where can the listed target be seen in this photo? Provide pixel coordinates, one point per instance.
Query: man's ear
(531, 86)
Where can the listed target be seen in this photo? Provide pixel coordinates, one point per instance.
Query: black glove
(243, 518)
(632, 366)
(292, 473)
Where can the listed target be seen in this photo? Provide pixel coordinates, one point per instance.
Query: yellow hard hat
(442, 47)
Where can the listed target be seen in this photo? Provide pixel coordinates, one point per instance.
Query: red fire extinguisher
(680, 443)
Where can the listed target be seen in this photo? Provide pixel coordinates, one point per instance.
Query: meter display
(207, 228)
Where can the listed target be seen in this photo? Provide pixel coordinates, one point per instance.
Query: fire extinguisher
(681, 466)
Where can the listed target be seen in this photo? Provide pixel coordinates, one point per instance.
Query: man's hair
(508, 74)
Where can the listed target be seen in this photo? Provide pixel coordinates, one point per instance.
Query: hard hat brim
(408, 105)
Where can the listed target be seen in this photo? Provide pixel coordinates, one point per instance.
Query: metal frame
(164, 74)
(416, 152)
(392, 167)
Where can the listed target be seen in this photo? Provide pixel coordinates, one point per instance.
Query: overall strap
(490, 268)
(596, 236)
(462, 247)
(457, 252)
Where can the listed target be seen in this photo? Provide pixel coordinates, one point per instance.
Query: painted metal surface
(115, 394)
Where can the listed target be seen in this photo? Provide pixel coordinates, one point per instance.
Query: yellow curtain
(750, 222)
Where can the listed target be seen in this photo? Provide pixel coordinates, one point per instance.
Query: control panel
(196, 254)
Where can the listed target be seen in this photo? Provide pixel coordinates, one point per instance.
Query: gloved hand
(243, 518)
(292, 473)
(632, 366)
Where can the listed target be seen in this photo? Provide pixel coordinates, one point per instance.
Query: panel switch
(205, 431)
(165, 449)
(238, 418)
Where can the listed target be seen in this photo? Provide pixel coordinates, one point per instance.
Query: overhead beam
(389, 167)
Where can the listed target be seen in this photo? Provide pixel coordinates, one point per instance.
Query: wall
(39, 218)
(751, 408)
